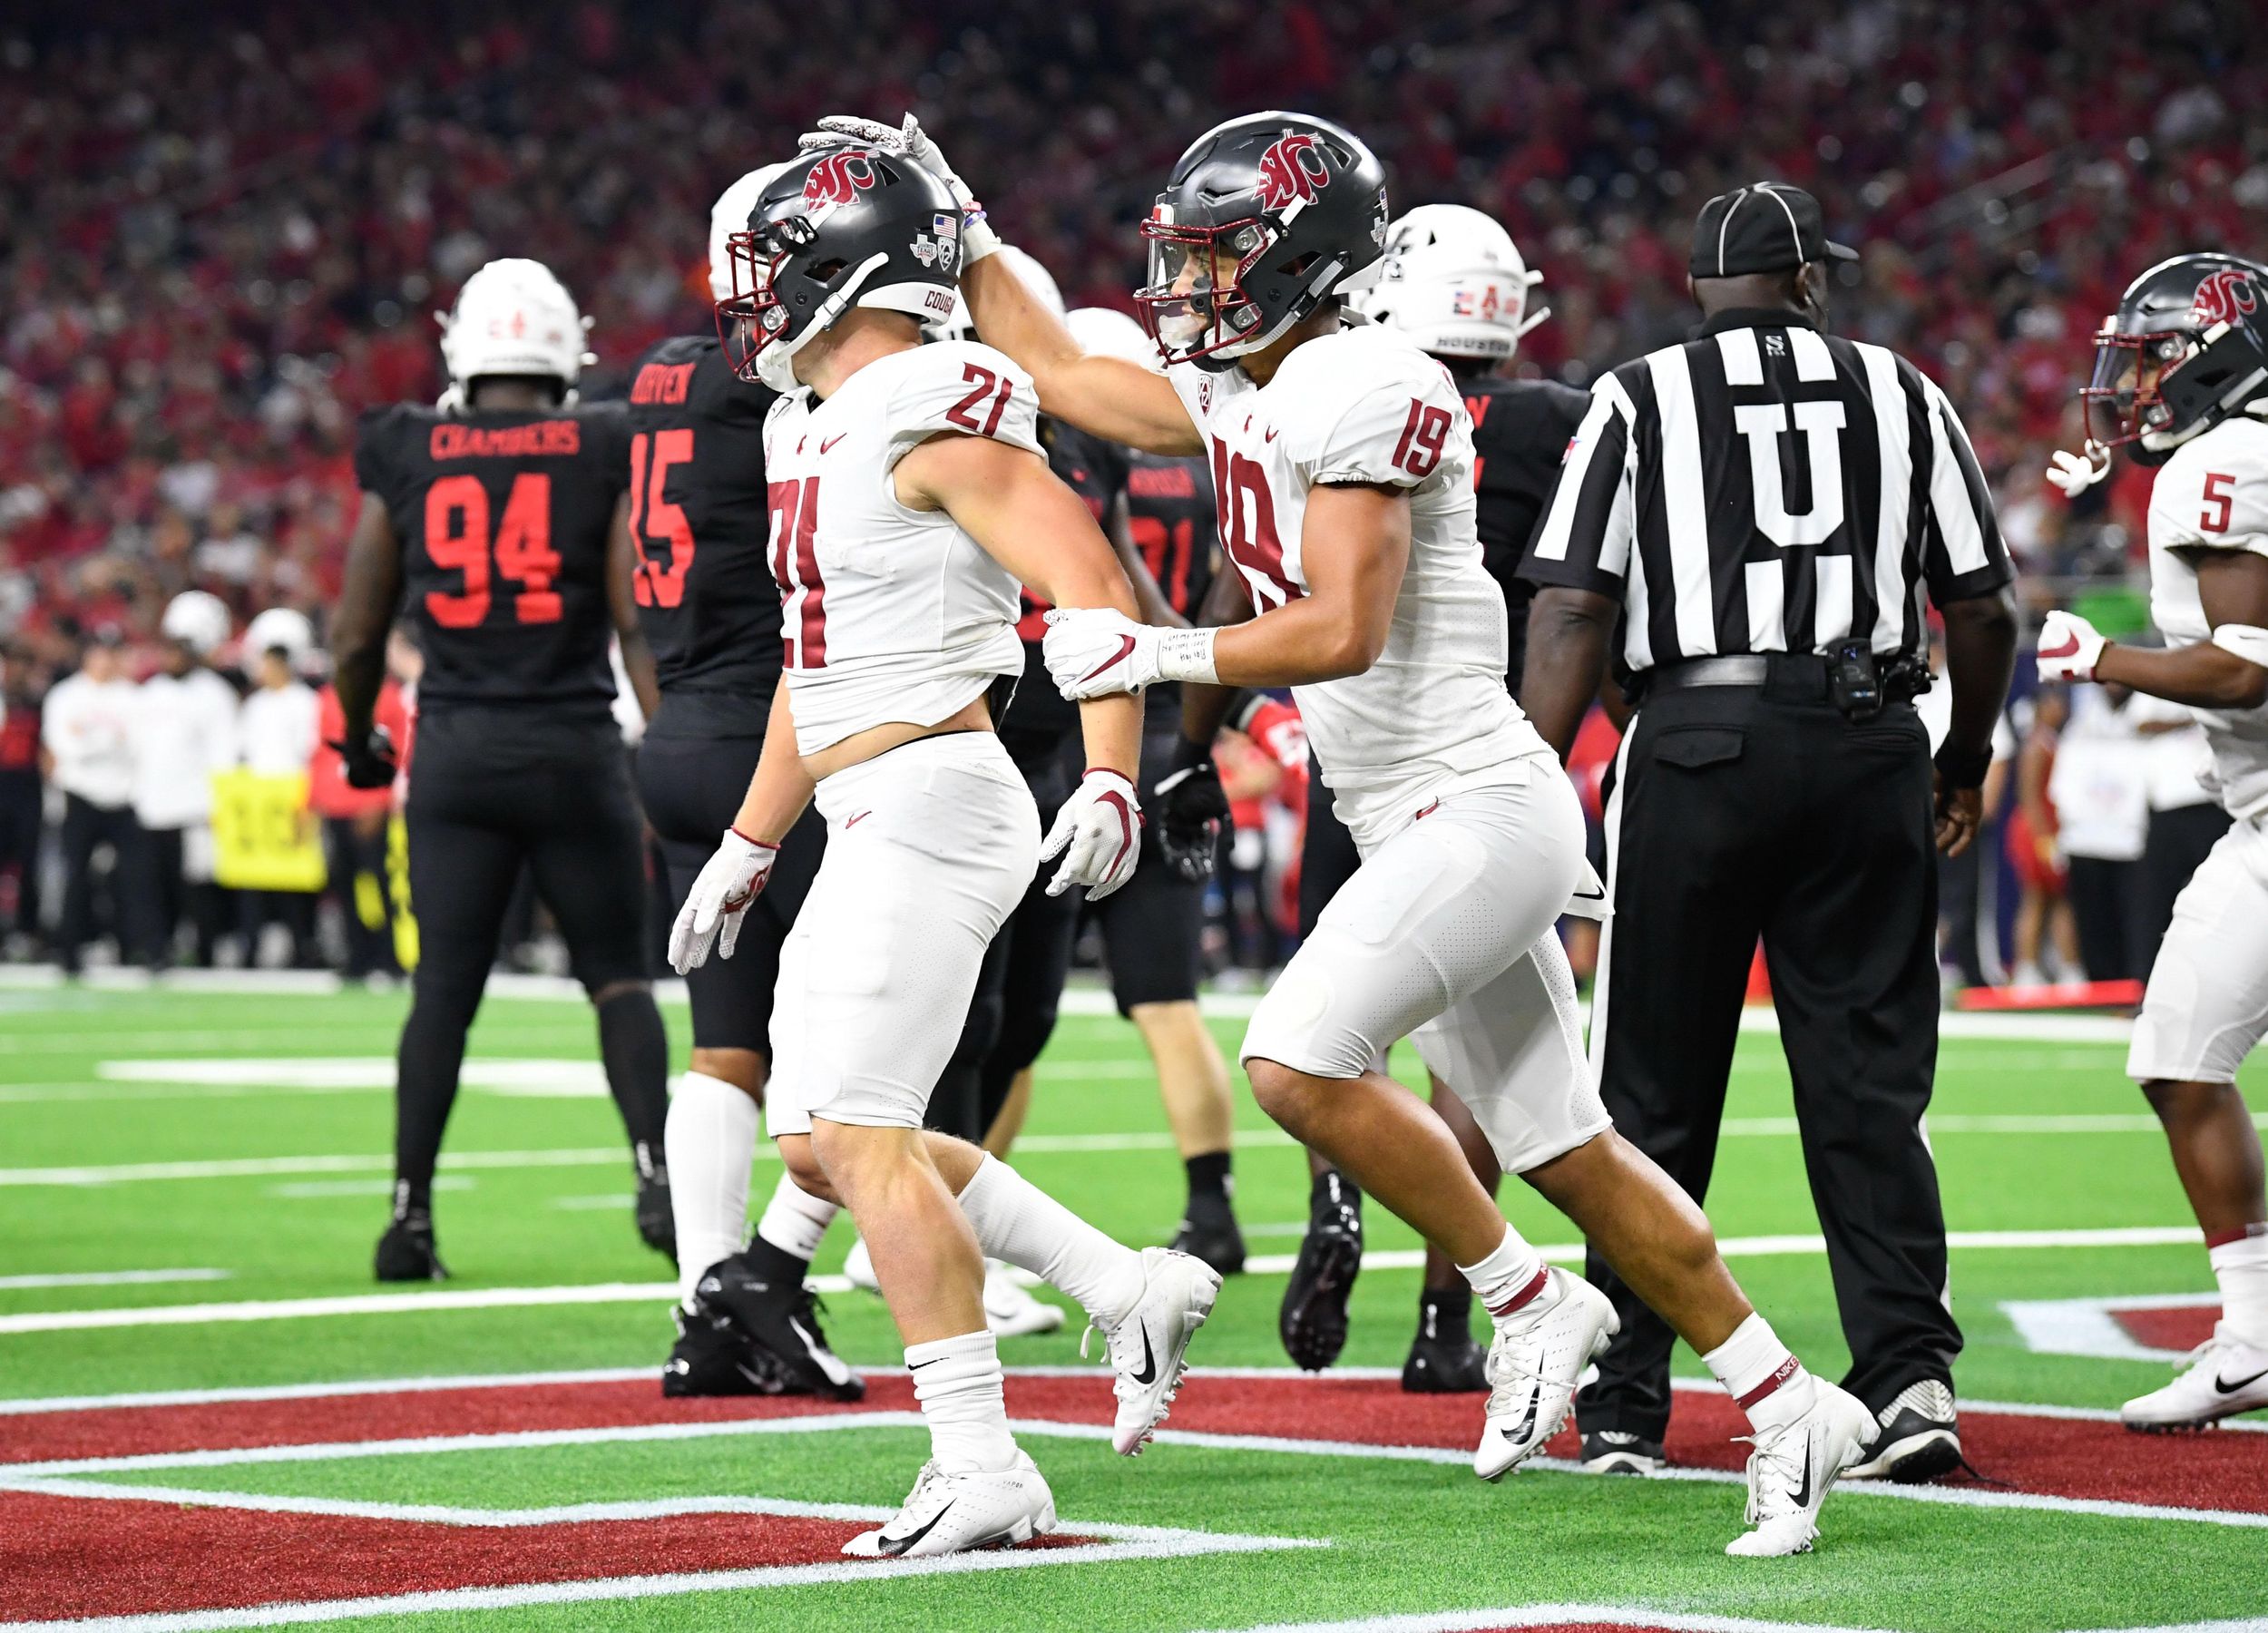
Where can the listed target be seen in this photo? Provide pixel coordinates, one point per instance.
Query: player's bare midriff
(860, 747)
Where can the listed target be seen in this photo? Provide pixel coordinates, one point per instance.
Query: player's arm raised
(1108, 397)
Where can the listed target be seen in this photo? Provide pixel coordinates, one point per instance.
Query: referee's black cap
(1768, 227)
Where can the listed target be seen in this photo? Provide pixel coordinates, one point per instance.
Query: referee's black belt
(1791, 674)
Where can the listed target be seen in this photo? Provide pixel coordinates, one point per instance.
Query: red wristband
(750, 839)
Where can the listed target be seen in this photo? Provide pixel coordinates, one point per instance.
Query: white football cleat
(2223, 1376)
(1539, 1352)
(858, 1267)
(1010, 1311)
(953, 1513)
(1147, 1349)
(1792, 1470)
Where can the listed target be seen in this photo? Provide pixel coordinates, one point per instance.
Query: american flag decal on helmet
(1292, 169)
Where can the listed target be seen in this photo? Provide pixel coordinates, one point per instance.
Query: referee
(1763, 508)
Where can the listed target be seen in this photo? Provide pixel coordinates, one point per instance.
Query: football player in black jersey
(698, 525)
(1454, 282)
(490, 523)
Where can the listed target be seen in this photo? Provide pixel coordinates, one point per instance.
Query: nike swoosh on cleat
(1148, 1374)
(1802, 1495)
(2227, 1387)
(837, 1369)
(1126, 648)
(1535, 1398)
(895, 1546)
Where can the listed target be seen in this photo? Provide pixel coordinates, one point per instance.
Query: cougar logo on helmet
(837, 179)
(2223, 298)
(1293, 168)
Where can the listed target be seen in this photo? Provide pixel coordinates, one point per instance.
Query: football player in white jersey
(909, 497)
(2181, 383)
(1342, 460)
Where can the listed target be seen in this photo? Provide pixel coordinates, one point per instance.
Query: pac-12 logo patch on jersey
(2224, 297)
(837, 179)
(1292, 167)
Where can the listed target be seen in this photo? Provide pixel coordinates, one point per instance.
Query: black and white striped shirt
(1782, 491)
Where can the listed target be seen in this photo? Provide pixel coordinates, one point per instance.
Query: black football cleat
(407, 1252)
(1444, 1359)
(1619, 1451)
(1313, 1320)
(657, 1224)
(1208, 1232)
(781, 1318)
(713, 1357)
(1920, 1439)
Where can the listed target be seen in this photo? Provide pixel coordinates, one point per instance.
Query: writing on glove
(1098, 835)
(718, 901)
(1098, 652)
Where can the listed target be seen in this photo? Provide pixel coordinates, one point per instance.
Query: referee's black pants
(1740, 812)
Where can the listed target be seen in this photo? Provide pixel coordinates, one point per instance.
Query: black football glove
(1186, 808)
(369, 761)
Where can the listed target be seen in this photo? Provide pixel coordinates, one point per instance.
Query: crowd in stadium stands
(223, 229)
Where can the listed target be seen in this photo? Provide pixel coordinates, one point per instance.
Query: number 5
(2217, 494)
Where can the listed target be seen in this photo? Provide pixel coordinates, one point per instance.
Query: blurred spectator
(2100, 792)
(2185, 822)
(184, 731)
(2044, 932)
(20, 801)
(276, 736)
(87, 728)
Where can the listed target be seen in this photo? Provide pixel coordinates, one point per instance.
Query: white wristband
(1187, 655)
(2248, 642)
(977, 238)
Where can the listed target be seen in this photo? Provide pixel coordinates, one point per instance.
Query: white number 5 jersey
(2212, 495)
(1366, 406)
(889, 613)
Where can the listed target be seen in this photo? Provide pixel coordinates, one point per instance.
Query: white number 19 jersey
(889, 613)
(2212, 495)
(1366, 406)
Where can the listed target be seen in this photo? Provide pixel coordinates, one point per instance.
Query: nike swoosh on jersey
(831, 441)
(1271, 434)
(895, 1546)
(851, 822)
(1126, 650)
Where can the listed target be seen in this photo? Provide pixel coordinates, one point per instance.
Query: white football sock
(1509, 1279)
(710, 1141)
(2241, 1266)
(1016, 1221)
(1764, 1379)
(958, 1382)
(794, 1221)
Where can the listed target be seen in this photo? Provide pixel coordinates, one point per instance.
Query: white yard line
(1547, 1616)
(1267, 1264)
(111, 1278)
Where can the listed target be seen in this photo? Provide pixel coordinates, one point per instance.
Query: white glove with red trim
(910, 141)
(1100, 652)
(2070, 648)
(1100, 831)
(719, 899)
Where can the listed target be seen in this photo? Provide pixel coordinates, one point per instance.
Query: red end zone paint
(2169, 1329)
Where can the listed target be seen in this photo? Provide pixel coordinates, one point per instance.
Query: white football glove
(719, 899)
(909, 141)
(1100, 829)
(1100, 652)
(2076, 473)
(2070, 648)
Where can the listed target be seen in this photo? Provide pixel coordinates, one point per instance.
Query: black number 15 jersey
(503, 519)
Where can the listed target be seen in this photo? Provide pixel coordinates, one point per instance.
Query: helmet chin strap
(1324, 286)
(777, 358)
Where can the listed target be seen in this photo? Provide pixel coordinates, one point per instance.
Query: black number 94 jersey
(503, 519)
(700, 520)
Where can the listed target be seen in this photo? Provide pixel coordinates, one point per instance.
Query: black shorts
(1151, 924)
(692, 787)
(495, 790)
(1327, 857)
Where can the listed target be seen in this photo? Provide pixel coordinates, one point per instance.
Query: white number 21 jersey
(1366, 406)
(889, 613)
(2212, 495)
